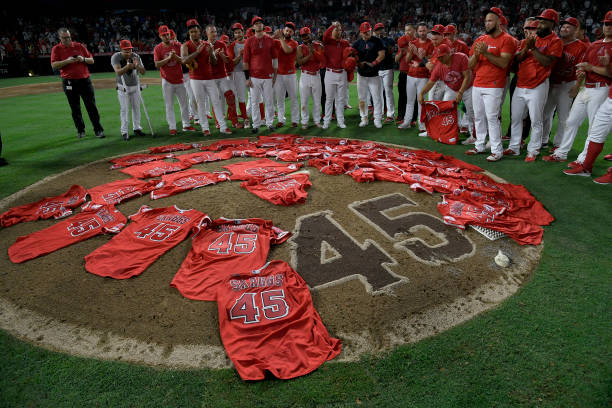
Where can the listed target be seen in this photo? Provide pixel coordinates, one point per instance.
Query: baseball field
(548, 345)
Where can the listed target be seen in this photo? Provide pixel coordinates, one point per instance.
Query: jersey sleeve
(85, 51)
(556, 49)
(279, 236)
(246, 53)
(435, 74)
(138, 215)
(508, 46)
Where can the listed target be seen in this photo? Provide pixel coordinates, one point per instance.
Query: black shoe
(3, 162)
(139, 132)
(81, 135)
(271, 128)
(254, 130)
(125, 136)
(100, 134)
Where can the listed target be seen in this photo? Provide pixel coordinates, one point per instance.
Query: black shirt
(368, 52)
(389, 45)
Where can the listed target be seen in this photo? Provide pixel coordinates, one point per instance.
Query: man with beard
(562, 79)
(489, 58)
(310, 56)
(402, 44)
(200, 57)
(385, 72)
(235, 51)
(418, 53)
(167, 58)
(437, 38)
(335, 75)
(371, 52)
(260, 65)
(286, 81)
(536, 58)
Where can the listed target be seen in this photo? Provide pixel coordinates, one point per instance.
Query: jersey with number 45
(152, 232)
(225, 247)
(268, 322)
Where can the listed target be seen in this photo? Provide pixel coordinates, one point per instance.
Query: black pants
(401, 89)
(322, 75)
(75, 89)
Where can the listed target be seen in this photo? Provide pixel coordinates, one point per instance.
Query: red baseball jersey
(133, 159)
(415, 69)
(487, 74)
(152, 232)
(333, 49)
(154, 169)
(530, 72)
(94, 219)
(282, 190)
(76, 70)
(262, 168)
(57, 207)
(171, 148)
(440, 119)
(595, 50)
(286, 61)
(275, 139)
(268, 322)
(565, 67)
(203, 157)
(317, 61)
(204, 68)
(223, 248)
(119, 191)
(222, 144)
(259, 53)
(451, 75)
(459, 46)
(219, 70)
(186, 180)
(172, 71)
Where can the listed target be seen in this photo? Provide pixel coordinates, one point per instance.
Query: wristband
(246, 73)
(375, 63)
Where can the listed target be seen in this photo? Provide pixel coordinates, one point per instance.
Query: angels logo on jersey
(453, 76)
(448, 120)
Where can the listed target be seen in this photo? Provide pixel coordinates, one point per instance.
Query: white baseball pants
(414, 86)
(602, 123)
(169, 91)
(450, 95)
(437, 92)
(587, 103)
(287, 84)
(532, 100)
(558, 98)
(129, 98)
(193, 109)
(486, 118)
(374, 87)
(310, 87)
(204, 89)
(262, 88)
(387, 84)
(335, 91)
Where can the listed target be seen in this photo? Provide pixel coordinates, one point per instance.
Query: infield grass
(549, 345)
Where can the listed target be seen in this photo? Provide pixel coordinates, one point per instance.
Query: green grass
(45, 79)
(549, 345)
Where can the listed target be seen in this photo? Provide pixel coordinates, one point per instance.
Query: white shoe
(404, 125)
(469, 140)
(318, 125)
(423, 133)
(378, 124)
(325, 126)
(341, 125)
(304, 127)
(363, 123)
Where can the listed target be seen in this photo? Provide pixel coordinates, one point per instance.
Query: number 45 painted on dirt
(273, 304)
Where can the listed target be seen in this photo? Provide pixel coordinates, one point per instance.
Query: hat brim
(545, 19)
(568, 22)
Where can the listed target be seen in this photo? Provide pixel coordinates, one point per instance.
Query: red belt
(596, 84)
(337, 71)
(310, 72)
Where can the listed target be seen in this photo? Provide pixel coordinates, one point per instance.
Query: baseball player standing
(310, 56)
(402, 44)
(235, 51)
(456, 45)
(437, 38)
(167, 58)
(286, 80)
(562, 79)
(593, 95)
(72, 58)
(260, 66)
(419, 51)
(385, 71)
(371, 52)
(127, 64)
(193, 109)
(200, 56)
(489, 58)
(536, 58)
(335, 76)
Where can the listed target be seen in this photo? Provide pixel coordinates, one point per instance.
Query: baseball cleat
(189, 129)
(605, 179)
(226, 131)
(469, 140)
(378, 124)
(341, 125)
(510, 152)
(294, 124)
(473, 152)
(206, 132)
(304, 127)
(404, 125)
(348, 107)
(608, 157)
(255, 130)
(125, 136)
(574, 164)
(139, 132)
(530, 158)
(237, 125)
(81, 135)
(388, 119)
(495, 157)
(577, 171)
(325, 126)
(280, 124)
(363, 123)
(399, 121)
(172, 132)
(553, 158)
(100, 134)
(423, 133)
(318, 125)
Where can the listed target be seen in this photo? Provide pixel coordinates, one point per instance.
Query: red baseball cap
(550, 15)
(192, 23)
(608, 17)
(442, 50)
(224, 38)
(533, 24)
(304, 31)
(495, 10)
(438, 29)
(125, 45)
(450, 29)
(571, 21)
(267, 29)
(403, 41)
(503, 20)
(290, 24)
(378, 26)
(164, 30)
(256, 19)
(365, 27)
(237, 26)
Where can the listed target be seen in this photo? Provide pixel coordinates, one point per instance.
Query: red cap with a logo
(125, 45)
(608, 17)
(304, 31)
(378, 26)
(256, 19)
(571, 21)
(450, 29)
(164, 30)
(290, 24)
(192, 22)
(495, 10)
(442, 50)
(237, 26)
(550, 15)
(438, 29)
(533, 24)
(365, 27)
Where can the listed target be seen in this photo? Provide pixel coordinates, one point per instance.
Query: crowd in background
(31, 36)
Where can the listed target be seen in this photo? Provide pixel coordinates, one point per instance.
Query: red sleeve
(246, 56)
(230, 50)
(508, 46)
(54, 56)
(435, 73)
(85, 51)
(327, 35)
(157, 54)
(463, 65)
(274, 52)
(430, 49)
(556, 49)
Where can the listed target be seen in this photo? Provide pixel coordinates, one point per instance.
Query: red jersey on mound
(171, 148)
(262, 168)
(56, 207)
(155, 169)
(93, 220)
(176, 183)
(203, 157)
(225, 247)
(118, 191)
(133, 159)
(268, 323)
(152, 232)
(440, 119)
(282, 190)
